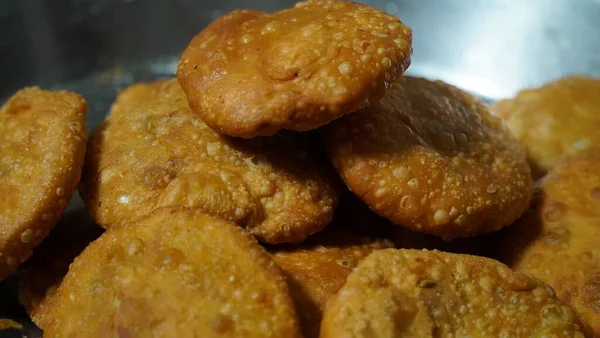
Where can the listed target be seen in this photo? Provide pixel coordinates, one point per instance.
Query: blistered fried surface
(412, 293)
(41, 275)
(157, 153)
(175, 274)
(555, 121)
(42, 146)
(317, 269)
(251, 74)
(431, 158)
(557, 240)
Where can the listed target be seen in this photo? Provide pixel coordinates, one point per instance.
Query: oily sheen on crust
(251, 74)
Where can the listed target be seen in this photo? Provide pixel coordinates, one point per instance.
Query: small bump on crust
(555, 121)
(155, 153)
(174, 272)
(557, 240)
(252, 74)
(412, 293)
(431, 158)
(42, 147)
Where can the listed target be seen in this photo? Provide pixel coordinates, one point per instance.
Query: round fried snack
(555, 121)
(412, 293)
(431, 158)
(41, 275)
(174, 274)
(42, 146)
(317, 269)
(157, 153)
(251, 74)
(557, 241)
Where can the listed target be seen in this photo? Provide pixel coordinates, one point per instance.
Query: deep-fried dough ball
(410, 293)
(433, 159)
(153, 152)
(558, 240)
(555, 121)
(42, 146)
(250, 73)
(177, 273)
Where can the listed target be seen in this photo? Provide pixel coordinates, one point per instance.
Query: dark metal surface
(94, 47)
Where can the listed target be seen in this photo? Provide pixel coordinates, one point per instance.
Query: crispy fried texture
(157, 153)
(557, 241)
(41, 275)
(431, 158)
(174, 274)
(555, 121)
(412, 293)
(251, 74)
(42, 146)
(317, 269)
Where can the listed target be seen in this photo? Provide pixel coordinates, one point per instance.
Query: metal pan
(492, 48)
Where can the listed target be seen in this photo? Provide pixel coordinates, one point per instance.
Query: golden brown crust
(412, 293)
(555, 121)
(431, 158)
(155, 153)
(251, 74)
(317, 269)
(176, 273)
(42, 146)
(557, 241)
(41, 275)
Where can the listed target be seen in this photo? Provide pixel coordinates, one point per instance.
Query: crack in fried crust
(557, 240)
(555, 121)
(153, 152)
(413, 293)
(177, 273)
(251, 74)
(431, 158)
(42, 147)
